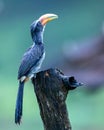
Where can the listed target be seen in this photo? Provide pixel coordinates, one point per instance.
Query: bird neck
(38, 38)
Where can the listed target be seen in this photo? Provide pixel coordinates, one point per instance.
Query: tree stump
(51, 88)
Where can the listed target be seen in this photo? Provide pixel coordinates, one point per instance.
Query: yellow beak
(47, 17)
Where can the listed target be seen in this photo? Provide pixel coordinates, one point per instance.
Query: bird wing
(30, 59)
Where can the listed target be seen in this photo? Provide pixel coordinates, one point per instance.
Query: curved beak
(46, 18)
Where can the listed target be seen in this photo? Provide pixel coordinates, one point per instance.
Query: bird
(31, 60)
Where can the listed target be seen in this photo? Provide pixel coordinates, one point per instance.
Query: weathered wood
(51, 88)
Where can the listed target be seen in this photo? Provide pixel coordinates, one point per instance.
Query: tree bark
(51, 88)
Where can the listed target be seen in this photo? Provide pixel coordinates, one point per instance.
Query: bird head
(37, 27)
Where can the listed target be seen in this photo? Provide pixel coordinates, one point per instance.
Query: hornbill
(31, 60)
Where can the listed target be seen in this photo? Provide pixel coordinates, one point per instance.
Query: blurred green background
(77, 20)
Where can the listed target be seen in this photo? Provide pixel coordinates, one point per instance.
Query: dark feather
(19, 103)
(30, 59)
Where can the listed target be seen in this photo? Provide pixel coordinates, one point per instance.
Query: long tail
(19, 103)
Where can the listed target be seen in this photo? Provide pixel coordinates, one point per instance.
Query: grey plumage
(31, 60)
(30, 65)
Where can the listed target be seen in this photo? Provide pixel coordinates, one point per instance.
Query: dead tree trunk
(51, 88)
